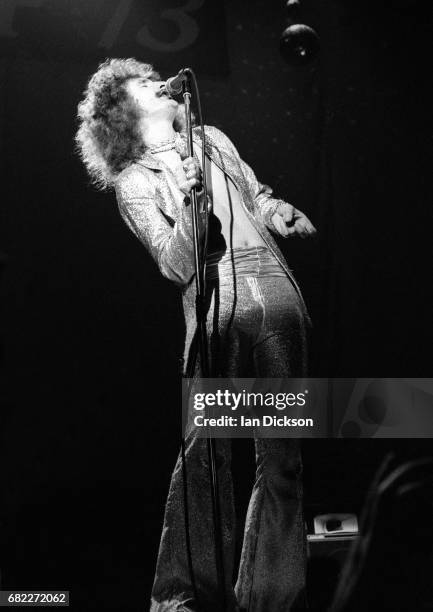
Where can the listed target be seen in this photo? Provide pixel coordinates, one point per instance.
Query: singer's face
(150, 98)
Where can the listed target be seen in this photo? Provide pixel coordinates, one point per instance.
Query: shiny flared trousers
(257, 327)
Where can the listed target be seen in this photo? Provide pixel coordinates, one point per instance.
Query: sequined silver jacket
(152, 205)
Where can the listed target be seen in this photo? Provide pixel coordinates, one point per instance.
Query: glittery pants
(256, 328)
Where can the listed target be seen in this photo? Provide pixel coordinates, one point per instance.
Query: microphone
(173, 85)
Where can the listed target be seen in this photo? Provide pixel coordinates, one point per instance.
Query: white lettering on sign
(187, 27)
(7, 14)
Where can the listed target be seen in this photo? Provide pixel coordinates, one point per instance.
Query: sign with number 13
(168, 33)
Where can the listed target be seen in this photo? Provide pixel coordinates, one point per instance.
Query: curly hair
(108, 139)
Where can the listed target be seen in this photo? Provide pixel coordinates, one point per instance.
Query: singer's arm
(171, 246)
(275, 213)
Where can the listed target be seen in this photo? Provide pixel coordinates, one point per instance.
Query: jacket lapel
(222, 158)
(169, 197)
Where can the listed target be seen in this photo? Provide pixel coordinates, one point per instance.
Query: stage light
(299, 44)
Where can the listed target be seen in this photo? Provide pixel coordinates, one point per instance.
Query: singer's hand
(289, 221)
(192, 176)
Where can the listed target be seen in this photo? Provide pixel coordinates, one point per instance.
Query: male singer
(131, 137)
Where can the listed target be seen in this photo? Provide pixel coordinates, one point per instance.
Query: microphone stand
(204, 360)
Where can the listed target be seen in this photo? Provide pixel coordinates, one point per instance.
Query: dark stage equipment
(326, 558)
(392, 558)
(327, 549)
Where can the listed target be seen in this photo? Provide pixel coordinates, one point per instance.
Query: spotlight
(299, 44)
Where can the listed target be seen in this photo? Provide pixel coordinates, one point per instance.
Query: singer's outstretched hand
(192, 175)
(289, 221)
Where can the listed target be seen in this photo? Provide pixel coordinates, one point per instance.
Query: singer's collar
(150, 161)
(166, 145)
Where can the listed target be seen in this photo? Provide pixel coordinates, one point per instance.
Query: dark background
(91, 334)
